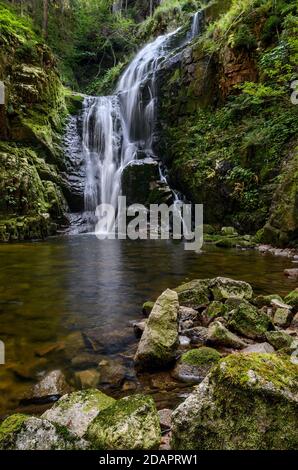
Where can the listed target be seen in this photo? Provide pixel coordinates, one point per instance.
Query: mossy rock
(200, 356)
(215, 309)
(279, 339)
(21, 432)
(159, 342)
(78, 409)
(219, 335)
(292, 299)
(147, 308)
(250, 322)
(247, 402)
(194, 294)
(131, 423)
(229, 232)
(224, 288)
(265, 300)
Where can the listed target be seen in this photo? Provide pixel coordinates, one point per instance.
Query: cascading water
(120, 128)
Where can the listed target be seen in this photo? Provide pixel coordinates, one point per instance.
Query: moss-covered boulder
(158, 344)
(194, 293)
(249, 321)
(131, 423)
(279, 339)
(77, 410)
(229, 232)
(219, 335)
(265, 300)
(147, 308)
(195, 364)
(282, 317)
(215, 309)
(223, 288)
(292, 299)
(21, 432)
(248, 401)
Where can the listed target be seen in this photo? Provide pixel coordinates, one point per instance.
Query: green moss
(249, 321)
(279, 339)
(89, 398)
(11, 425)
(193, 293)
(215, 309)
(292, 299)
(265, 300)
(200, 356)
(147, 307)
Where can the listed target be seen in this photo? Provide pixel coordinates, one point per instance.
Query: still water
(68, 303)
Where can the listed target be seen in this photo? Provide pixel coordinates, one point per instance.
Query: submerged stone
(248, 401)
(131, 423)
(77, 410)
(159, 342)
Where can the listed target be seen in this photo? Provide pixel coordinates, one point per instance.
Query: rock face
(131, 423)
(223, 288)
(20, 432)
(248, 401)
(77, 410)
(249, 321)
(157, 347)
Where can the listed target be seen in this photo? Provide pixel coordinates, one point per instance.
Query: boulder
(249, 321)
(224, 288)
(282, 317)
(21, 432)
(194, 294)
(292, 299)
(247, 402)
(279, 339)
(219, 335)
(197, 335)
(77, 410)
(159, 342)
(131, 423)
(260, 348)
(195, 364)
(88, 378)
(265, 300)
(165, 419)
(215, 309)
(139, 179)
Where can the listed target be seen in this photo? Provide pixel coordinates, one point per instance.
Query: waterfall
(196, 24)
(118, 129)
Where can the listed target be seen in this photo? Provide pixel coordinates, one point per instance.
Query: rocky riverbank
(238, 351)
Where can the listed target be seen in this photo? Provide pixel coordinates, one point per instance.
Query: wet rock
(265, 300)
(131, 423)
(74, 344)
(248, 401)
(249, 321)
(184, 341)
(194, 294)
(279, 339)
(219, 335)
(84, 361)
(77, 410)
(197, 335)
(223, 288)
(147, 307)
(282, 317)
(47, 349)
(187, 314)
(195, 364)
(138, 178)
(260, 348)
(292, 299)
(165, 418)
(49, 389)
(215, 309)
(21, 432)
(291, 272)
(159, 341)
(87, 378)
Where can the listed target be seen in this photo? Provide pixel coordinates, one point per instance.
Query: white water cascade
(118, 129)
